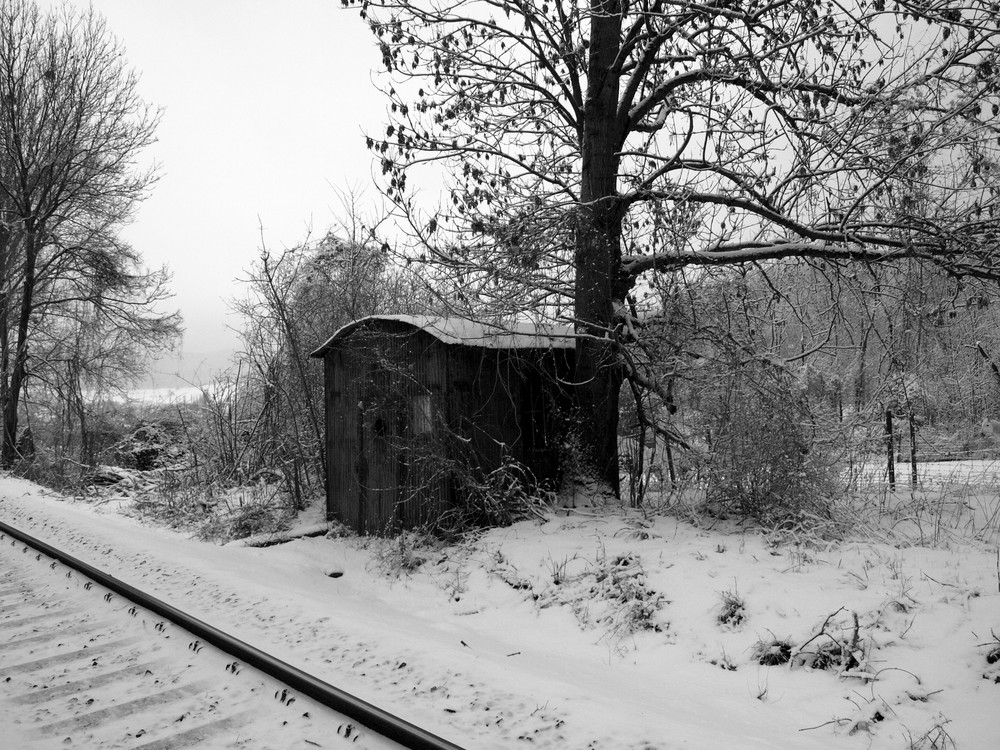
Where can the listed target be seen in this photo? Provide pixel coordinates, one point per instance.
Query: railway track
(88, 661)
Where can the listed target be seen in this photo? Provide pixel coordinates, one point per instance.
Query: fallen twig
(825, 723)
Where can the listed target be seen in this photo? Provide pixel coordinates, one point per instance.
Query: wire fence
(951, 496)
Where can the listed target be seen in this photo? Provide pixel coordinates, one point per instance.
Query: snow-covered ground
(596, 628)
(155, 396)
(188, 394)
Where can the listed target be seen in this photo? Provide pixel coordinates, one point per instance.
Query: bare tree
(574, 134)
(71, 127)
(294, 301)
(96, 318)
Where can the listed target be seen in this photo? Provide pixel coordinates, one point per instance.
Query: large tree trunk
(8, 453)
(598, 252)
(6, 263)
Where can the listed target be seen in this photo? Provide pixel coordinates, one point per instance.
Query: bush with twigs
(765, 461)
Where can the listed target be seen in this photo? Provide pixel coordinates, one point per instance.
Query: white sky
(265, 105)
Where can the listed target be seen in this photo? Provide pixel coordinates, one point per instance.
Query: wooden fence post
(889, 452)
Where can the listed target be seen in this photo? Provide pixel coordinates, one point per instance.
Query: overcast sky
(265, 105)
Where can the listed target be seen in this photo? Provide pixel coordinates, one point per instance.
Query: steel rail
(372, 717)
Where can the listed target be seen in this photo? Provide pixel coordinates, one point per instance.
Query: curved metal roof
(523, 335)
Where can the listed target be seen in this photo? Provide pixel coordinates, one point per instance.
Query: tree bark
(598, 252)
(6, 281)
(8, 452)
(890, 450)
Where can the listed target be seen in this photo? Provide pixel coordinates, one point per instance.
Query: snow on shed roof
(524, 335)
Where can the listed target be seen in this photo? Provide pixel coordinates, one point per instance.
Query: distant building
(417, 405)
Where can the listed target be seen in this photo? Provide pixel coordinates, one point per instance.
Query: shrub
(242, 512)
(405, 553)
(733, 609)
(245, 521)
(496, 498)
(764, 463)
(612, 592)
(836, 644)
(152, 445)
(773, 652)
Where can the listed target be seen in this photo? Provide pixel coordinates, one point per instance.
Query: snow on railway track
(83, 666)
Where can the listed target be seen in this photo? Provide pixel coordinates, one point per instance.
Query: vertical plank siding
(404, 409)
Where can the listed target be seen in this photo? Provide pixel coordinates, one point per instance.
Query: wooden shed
(416, 406)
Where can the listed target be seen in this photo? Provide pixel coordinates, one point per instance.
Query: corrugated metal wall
(402, 406)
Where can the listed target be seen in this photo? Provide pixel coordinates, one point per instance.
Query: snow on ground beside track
(515, 638)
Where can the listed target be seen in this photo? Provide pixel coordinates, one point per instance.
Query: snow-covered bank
(591, 630)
